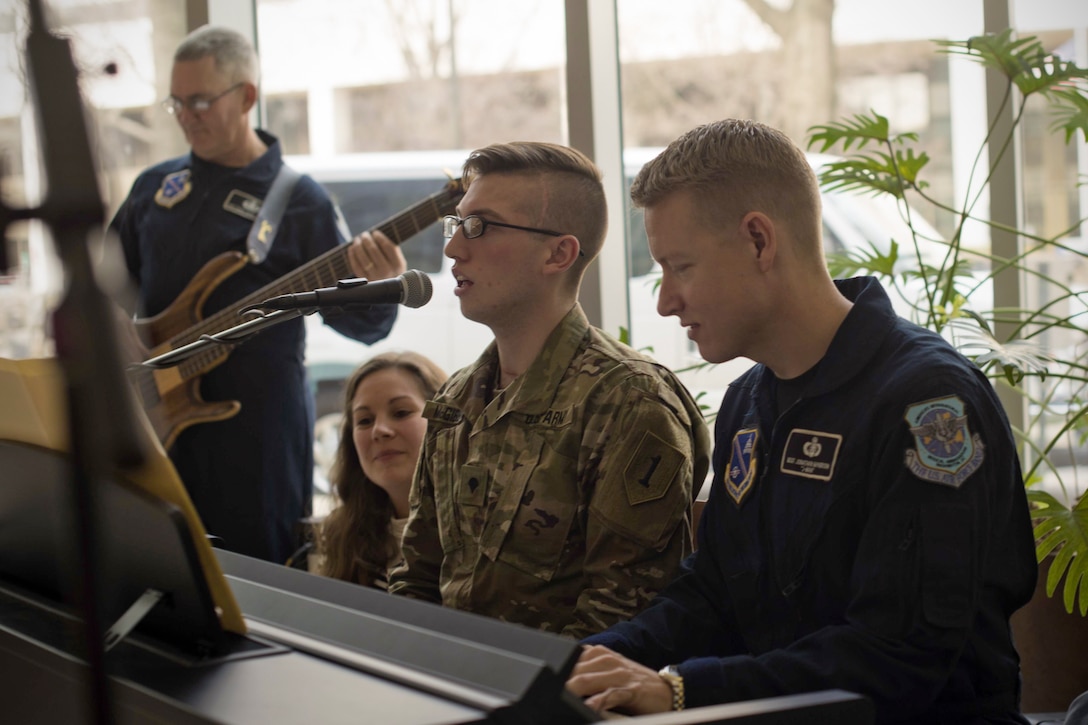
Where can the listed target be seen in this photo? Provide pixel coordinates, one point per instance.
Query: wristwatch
(672, 678)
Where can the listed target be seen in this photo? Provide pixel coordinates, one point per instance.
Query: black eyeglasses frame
(451, 222)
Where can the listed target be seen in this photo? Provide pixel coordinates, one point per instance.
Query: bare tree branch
(776, 19)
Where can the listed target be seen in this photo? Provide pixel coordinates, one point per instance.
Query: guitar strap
(265, 226)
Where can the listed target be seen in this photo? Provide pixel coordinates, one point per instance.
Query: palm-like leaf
(943, 288)
(1001, 52)
(861, 130)
(1064, 532)
(1070, 111)
(865, 261)
(1015, 358)
(1024, 61)
(876, 172)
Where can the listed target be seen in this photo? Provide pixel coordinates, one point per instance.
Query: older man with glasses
(250, 475)
(556, 480)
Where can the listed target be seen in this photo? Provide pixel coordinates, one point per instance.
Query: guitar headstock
(454, 184)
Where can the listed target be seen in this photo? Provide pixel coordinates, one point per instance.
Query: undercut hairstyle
(354, 536)
(733, 167)
(573, 202)
(234, 55)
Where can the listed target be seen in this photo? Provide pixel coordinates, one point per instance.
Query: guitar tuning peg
(454, 184)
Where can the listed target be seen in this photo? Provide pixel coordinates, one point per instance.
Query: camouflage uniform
(564, 502)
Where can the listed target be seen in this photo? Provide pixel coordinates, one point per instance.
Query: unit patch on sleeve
(175, 187)
(651, 469)
(811, 454)
(944, 450)
(741, 474)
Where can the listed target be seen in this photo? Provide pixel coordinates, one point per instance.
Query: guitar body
(187, 308)
(171, 396)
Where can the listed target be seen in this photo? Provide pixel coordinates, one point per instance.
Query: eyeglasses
(473, 226)
(174, 105)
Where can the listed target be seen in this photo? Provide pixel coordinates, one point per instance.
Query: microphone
(411, 289)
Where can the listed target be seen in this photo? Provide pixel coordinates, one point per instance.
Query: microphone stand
(230, 336)
(102, 434)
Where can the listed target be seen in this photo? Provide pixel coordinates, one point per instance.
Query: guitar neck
(327, 269)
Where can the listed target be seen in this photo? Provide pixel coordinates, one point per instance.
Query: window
(444, 76)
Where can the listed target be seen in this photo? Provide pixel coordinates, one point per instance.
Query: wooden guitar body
(171, 396)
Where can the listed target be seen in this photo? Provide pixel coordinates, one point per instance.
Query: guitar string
(335, 260)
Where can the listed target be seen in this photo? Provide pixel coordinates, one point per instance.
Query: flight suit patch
(811, 454)
(175, 187)
(944, 450)
(244, 205)
(741, 474)
(650, 473)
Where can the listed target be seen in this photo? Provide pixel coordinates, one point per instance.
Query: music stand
(158, 571)
(145, 547)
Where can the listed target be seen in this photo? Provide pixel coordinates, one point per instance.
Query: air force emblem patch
(944, 450)
(741, 474)
(175, 187)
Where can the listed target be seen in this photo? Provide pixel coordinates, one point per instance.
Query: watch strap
(675, 681)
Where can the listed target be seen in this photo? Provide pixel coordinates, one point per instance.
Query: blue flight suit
(251, 476)
(873, 537)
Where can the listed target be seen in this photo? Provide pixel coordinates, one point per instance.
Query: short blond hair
(733, 167)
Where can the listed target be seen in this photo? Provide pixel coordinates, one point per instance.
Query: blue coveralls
(874, 537)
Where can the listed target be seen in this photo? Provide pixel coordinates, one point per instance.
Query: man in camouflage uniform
(555, 484)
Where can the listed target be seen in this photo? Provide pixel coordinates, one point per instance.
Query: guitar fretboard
(322, 271)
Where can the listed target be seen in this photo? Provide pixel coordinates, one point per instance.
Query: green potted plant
(1045, 360)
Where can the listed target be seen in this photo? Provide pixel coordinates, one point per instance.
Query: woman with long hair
(380, 438)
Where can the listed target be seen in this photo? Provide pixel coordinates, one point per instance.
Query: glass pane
(696, 61)
(416, 75)
(393, 94)
(795, 65)
(122, 53)
(391, 98)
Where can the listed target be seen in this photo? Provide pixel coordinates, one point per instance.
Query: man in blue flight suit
(867, 528)
(250, 476)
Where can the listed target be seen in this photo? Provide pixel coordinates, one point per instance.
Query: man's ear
(249, 97)
(757, 232)
(565, 252)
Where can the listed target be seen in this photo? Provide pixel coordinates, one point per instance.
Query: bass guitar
(171, 396)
